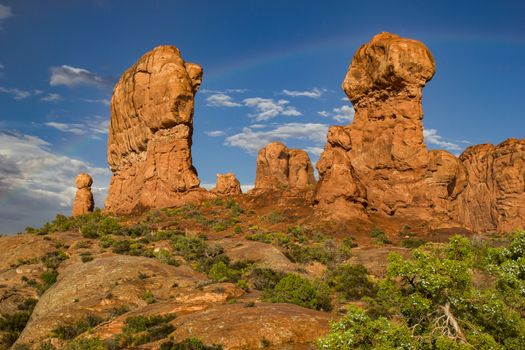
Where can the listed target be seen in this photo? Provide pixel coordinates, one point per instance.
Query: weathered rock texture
(83, 202)
(150, 133)
(380, 164)
(279, 167)
(227, 185)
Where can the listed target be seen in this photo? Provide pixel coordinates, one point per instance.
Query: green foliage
(380, 236)
(86, 344)
(71, 331)
(54, 259)
(119, 310)
(351, 281)
(264, 278)
(195, 250)
(131, 247)
(14, 323)
(140, 330)
(432, 302)
(412, 243)
(148, 297)
(86, 257)
(188, 344)
(275, 217)
(297, 290)
(358, 331)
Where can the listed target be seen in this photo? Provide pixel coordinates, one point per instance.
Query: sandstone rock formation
(227, 185)
(150, 133)
(279, 167)
(83, 202)
(380, 164)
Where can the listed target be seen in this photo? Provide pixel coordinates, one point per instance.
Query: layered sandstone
(380, 164)
(83, 202)
(227, 185)
(279, 167)
(150, 133)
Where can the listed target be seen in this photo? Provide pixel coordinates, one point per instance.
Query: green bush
(140, 330)
(380, 236)
(264, 278)
(71, 331)
(14, 323)
(297, 290)
(412, 243)
(188, 344)
(351, 281)
(86, 344)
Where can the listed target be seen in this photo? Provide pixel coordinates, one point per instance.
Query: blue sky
(272, 71)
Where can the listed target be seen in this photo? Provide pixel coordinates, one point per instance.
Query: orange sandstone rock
(149, 141)
(83, 202)
(380, 164)
(227, 184)
(279, 167)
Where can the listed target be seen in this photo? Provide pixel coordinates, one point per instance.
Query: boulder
(279, 167)
(227, 185)
(150, 133)
(83, 202)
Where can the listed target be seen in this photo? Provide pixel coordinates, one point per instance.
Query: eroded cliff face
(279, 167)
(150, 133)
(380, 164)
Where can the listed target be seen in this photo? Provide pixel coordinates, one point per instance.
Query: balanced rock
(150, 133)
(279, 167)
(227, 185)
(380, 164)
(83, 202)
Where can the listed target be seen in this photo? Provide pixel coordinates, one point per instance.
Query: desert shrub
(165, 257)
(264, 278)
(358, 331)
(188, 344)
(140, 330)
(148, 297)
(46, 346)
(86, 257)
(14, 323)
(139, 230)
(380, 236)
(86, 344)
(412, 243)
(297, 290)
(129, 247)
(275, 217)
(48, 279)
(277, 238)
(53, 260)
(351, 281)
(433, 296)
(325, 252)
(195, 250)
(71, 331)
(119, 310)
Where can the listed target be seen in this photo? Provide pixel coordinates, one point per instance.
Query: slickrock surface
(279, 167)
(150, 133)
(380, 164)
(83, 202)
(227, 185)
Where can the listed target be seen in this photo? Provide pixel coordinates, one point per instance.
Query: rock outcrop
(380, 164)
(279, 167)
(227, 185)
(83, 202)
(150, 133)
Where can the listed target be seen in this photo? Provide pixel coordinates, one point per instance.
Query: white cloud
(51, 97)
(315, 151)
(72, 77)
(431, 137)
(221, 100)
(343, 114)
(225, 91)
(314, 93)
(251, 141)
(18, 94)
(215, 133)
(5, 13)
(36, 183)
(267, 108)
(94, 127)
(104, 101)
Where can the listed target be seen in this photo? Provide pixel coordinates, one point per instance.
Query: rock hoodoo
(150, 133)
(227, 185)
(380, 162)
(83, 202)
(279, 167)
